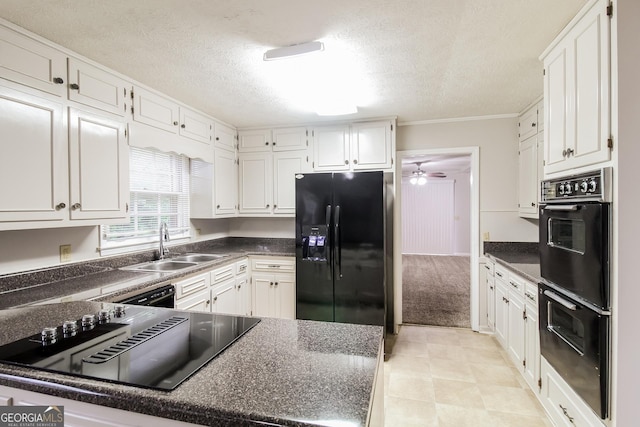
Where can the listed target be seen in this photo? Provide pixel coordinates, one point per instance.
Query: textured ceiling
(415, 59)
(448, 164)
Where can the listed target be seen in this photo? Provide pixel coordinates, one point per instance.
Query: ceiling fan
(420, 177)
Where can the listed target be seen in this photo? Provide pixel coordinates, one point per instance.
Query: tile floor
(445, 377)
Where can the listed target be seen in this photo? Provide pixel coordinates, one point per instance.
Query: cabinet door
(224, 298)
(34, 159)
(532, 347)
(224, 137)
(331, 148)
(502, 313)
(290, 139)
(243, 298)
(155, 110)
(371, 145)
(528, 177)
(491, 302)
(285, 167)
(98, 166)
(528, 123)
(195, 126)
(556, 93)
(264, 296)
(31, 63)
(515, 328)
(97, 88)
(225, 172)
(254, 140)
(256, 183)
(285, 287)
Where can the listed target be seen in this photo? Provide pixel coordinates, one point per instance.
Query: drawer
(285, 265)
(223, 273)
(192, 285)
(531, 294)
(563, 405)
(199, 301)
(489, 268)
(242, 267)
(516, 283)
(501, 273)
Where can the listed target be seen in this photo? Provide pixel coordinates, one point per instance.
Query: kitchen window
(159, 192)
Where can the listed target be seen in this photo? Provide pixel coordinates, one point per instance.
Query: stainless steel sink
(163, 265)
(198, 257)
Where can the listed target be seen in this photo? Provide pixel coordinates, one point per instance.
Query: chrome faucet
(164, 237)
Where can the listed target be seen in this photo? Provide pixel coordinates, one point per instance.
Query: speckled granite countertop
(41, 285)
(520, 257)
(282, 372)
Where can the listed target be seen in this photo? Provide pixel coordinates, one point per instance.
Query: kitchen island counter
(281, 372)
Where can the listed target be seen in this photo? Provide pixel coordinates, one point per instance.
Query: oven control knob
(70, 328)
(88, 321)
(593, 185)
(104, 315)
(49, 336)
(118, 311)
(584, 186)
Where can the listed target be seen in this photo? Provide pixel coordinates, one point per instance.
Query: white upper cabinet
(256, 191)
(577, 92)
(528, 177)
(285, 167)
(359, 146)
(95, 87)
(155, 110)
(29, 62)
(225, 191)
(267, 140)
(331, 148)
(254, 140)
(98, 166)
(286, 139)
(528, 124)
(371, 146)
(195, 126)
(34, 161)
(224, 137)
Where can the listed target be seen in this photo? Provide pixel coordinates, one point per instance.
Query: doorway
(436, 227)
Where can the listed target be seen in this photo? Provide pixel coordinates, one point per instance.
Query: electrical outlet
(65, 253)
(485, 236)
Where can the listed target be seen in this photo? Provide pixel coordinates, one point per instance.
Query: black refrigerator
(344, 247)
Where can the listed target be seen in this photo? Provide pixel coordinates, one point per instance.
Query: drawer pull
(513, 284)
(531, 297)
(499, 274)
(487, 267)
(566, 413)
(274, 266)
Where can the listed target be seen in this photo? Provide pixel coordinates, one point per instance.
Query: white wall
(262, 227)
(462, 214)
(498, 142)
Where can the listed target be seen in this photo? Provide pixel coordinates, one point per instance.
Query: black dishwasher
(163, 296)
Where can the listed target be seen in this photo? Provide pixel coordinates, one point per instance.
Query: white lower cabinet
(502, 312)
(515, 330)
(80, 414)
(531, 367)
(490, 289)
(274, 287)
(224, 297)
(565, 408)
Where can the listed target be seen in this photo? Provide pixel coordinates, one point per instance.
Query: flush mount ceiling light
(292, 51)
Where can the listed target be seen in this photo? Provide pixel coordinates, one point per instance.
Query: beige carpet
(435, 290)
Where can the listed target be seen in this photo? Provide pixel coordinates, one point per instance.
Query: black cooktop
(135, 345)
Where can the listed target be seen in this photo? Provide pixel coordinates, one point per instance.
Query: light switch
(485, 236)
(65, 253)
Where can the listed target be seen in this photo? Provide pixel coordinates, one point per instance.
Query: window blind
(159, 192)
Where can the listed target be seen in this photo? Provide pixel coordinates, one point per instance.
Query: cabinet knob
(355, 161)
(533, 204)
(74, 86)
(217, 138)
(273, 143)
(490, 287)
(208, 302)
(570, 152)
(239, 286)
(276, 283)
(218, 207)
(175, 123)
(183, 126)
(58, 80)
(266, 143)
(346, 162)
(270, 283)
(60, 206)
(533, 125)
(275, 206)
(215, 299)
(267, 206)
(75, 206)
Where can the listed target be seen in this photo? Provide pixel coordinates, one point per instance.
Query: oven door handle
(561, 208)
(560, 300)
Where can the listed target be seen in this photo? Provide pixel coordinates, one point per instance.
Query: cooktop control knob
(88, 321)
(584, 186)
(118, 311)
(70, 328)
(104, 315)
(49, 336)
(593, 185)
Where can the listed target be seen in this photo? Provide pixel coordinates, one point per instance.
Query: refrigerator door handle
(328, 243)
(337, 242)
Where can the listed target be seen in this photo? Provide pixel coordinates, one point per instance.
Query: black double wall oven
(574, 294)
